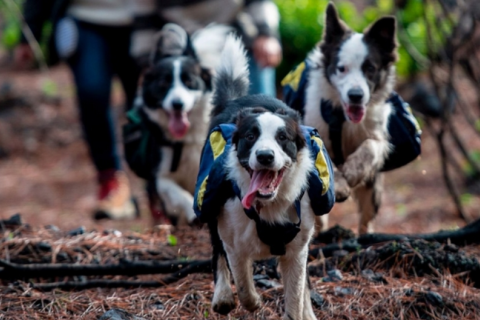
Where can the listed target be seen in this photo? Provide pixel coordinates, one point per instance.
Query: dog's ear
(172, 40)
(246, 112)
(207, 77)
(189, 50)
(293, 120)
(242, 114)
(335, 28)
(235, 137)
(382, 34)
(300, 141)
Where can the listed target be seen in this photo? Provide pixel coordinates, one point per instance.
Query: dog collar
(274, 235)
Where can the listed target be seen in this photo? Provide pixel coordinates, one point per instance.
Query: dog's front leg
(178, 202)
(363, 164)
(242, 271)
(369, 197)
(223, 300)
(308, 313)
(294, 282)
(342, 189)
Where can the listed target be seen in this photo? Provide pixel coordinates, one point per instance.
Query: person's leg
(262, 80)
(92, 72)
(123, 63)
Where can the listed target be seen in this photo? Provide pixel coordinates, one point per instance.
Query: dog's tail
(231, 79)
(208, 43)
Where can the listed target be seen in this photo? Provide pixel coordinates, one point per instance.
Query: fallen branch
(12, 222)
(463, 236)
(195, 267)
(125, 268)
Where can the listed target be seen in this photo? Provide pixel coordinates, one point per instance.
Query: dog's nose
(265, 157)
(355, 95)
(177, 105)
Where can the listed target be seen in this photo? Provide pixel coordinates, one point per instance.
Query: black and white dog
(175, 96)
(355, 73)
(268, 164)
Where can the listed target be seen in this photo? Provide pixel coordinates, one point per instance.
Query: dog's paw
(252, 302)
(353, 173)
(342, 189)
(358, 168)
(224, 304)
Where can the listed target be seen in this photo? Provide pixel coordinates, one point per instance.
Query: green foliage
(466, 199)
(172, 240)
(11, 29)
(300, 28)
(474, 156)
(401, 210)
(49, 88)
(477, 125)
(10, 32)
(302, 22)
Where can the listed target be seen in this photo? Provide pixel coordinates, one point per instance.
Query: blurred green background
(302, 24)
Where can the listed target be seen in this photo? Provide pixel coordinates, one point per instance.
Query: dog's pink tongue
(356, 113)
(178, 124)
(260, 179)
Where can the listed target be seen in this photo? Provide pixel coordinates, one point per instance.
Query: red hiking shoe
(115, 201)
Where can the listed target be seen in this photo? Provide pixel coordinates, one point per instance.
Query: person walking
(93, 37)
(255, 21)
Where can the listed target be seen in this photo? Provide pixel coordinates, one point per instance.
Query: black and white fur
(179, 82)
(267, 137)
(356, 72)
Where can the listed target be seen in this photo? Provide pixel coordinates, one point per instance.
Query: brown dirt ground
(48, 178)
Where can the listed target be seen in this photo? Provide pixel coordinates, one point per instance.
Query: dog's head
(268, 146)
(175, 81)
(357, 65)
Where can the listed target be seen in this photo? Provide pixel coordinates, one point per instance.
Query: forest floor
(46, 176)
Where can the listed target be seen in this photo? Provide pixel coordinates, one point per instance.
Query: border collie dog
(269, 166)
(175, 96)
(355, 73)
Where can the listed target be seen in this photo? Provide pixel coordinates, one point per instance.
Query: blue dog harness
(213, 188)
(403, 128)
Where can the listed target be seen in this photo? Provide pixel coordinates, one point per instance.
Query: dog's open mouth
(355, 113)
(178, 123)
(263, 184)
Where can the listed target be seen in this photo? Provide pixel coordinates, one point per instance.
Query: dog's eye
(282, 137)
(370, 68)
(167, 79)
(186, 79)
(341, 69)
(250, 137)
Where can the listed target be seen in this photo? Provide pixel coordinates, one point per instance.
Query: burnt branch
(194, 267)
(180, 269)
(124, 268)
(463, 236)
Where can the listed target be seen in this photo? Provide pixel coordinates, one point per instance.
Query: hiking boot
(115, 201)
